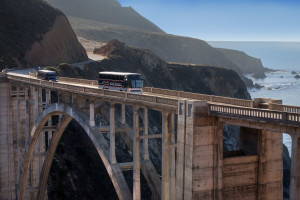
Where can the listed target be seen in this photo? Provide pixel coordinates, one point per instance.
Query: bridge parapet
(284, 108)
(204, 97)
(77, 80)
(155, 101)
(255, 114)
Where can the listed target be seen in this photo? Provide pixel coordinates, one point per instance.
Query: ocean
(282, 84)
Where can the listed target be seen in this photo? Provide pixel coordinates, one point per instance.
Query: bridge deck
(157, 98)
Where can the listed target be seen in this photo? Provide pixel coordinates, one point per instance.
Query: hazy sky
(246, 20)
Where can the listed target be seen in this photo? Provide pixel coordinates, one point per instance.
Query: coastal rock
(258, 86)
(259, 75)
(297, 76)
(293, 72)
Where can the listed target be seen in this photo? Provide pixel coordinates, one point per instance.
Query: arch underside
(93, 133)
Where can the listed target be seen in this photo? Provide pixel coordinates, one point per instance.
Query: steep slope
(170, 48)
(108, 11)
(239, 58)
(34, 33)
(158, 73)
(104, 20)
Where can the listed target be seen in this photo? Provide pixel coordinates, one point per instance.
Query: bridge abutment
(201, 151)
(7, 172)
(270, 165)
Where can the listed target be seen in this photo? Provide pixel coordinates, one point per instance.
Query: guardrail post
(284, 116)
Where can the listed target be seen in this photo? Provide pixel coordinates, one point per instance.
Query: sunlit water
(279, 85)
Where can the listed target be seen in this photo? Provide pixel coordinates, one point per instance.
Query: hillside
(107, 11)
(42, 36)
(242, 59)
(104, 20)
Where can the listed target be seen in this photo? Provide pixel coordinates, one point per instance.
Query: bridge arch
(93, 133)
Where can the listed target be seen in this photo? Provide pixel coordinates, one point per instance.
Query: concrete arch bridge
(194, 164)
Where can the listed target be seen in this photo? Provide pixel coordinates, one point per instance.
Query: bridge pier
(136, 155)
(112, 132)
(165, 195)
(92, 112)
(270, 166)
(199, 164)
(295, 169)
(145, 142)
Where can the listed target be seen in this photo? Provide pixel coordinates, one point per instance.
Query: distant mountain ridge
(107, 11)
(170, 48)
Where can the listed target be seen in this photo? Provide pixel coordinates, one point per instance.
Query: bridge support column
(165, 158)
(26, 116)
(201, 154)
(112, 131)
(145, 142)
(48, 103)
(172, 157)
(180, 150)
(295, 169)
(42, 104)
(270, 166)
(36, 102)
(136, 155)
(123, 117)
(92, 112)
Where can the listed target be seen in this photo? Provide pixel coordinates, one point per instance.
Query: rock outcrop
(246, 63)
(34, 33)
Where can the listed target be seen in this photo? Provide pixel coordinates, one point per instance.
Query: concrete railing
(203, 97)
(79, 81)
(85, 90)
(250, 113)
(175, 93)
(284, 108)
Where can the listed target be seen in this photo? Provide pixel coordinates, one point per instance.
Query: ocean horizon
(281, 84)
(274, 55)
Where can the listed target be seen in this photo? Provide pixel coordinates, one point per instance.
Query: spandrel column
(165, 158)
(92, 113)
(123, 116)
(172, 156)
(136, 156)
(112, 134)
(145, 142)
